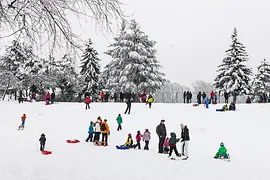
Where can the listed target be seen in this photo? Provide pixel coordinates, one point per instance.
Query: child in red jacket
(138, 139)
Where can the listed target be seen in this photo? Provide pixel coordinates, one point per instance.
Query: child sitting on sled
(224, 108)
(128, 144)
(222, 152)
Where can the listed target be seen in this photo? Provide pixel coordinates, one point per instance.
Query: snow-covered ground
(245, 133)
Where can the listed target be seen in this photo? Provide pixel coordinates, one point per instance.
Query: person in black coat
(184, 140)
(203, 97)
(185, 96)
(128, 106)
(52, 97)
(161, 132)
(121, 97)
(42, 141)
(199, 98)
(226, 97)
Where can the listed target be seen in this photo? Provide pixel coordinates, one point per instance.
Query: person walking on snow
(87, 102)
(172, 142)
(138, 139)
(119, 122)
(128, 106)
(146, 139)
(90, 132)
(161, 132)
(150, 100)
(42, 141)
(23, 118)
(105, 131)
(184, 140)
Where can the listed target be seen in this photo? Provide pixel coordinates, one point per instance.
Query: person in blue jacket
(90, 132)
(207, 102)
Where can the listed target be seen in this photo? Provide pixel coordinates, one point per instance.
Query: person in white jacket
(146, 138)
(97, 132)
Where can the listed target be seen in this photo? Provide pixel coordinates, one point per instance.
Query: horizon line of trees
(133, 69)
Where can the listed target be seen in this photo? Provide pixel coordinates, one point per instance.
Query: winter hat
(221, 144)
(129, 135)
(162, 120)
(182, 125)
(42, 134)
(105, 120)
(138, 132)
(146, 130)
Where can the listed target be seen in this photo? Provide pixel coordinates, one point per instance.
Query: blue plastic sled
(122, 147)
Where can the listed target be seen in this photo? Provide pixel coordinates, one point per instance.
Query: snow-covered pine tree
(18, 61)
(90, 68)
(65, 72)
(134, 66)
(233, 75)
(261, 83)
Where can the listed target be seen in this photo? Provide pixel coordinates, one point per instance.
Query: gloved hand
(108, 133)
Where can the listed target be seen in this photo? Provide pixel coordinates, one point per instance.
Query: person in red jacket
(102, 95)
(87, 102)
(212, 95)
(138, 139)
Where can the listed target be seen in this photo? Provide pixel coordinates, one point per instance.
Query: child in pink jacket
(166, 146)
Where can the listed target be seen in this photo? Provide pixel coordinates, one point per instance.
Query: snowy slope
(244, 132)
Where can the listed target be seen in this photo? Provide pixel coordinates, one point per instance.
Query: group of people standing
(96, 129)
(50, 98)
(173, 140)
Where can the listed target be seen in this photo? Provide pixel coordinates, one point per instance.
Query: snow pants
(160, 144)
(42, 147)
(87, 106)
(104, 140)
(97, 136)
(173, 148)
(90, 137)
(119, 127)
(138, 145)
(128, 110)
(184, 146)
(146, 145)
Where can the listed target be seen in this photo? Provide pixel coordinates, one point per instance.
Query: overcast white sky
(192, 35)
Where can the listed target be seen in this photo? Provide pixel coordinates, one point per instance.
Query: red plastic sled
(73, 141)
(46, 152)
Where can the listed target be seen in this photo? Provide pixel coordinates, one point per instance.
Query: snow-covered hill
(244, 132)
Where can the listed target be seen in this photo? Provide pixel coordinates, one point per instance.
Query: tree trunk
(4, 95)
(15, 94)
(234, 97)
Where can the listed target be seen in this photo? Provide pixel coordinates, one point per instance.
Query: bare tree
(202, 86)
(170, 93)
(46, 21)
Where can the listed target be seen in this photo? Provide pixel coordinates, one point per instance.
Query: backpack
(103, 127)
